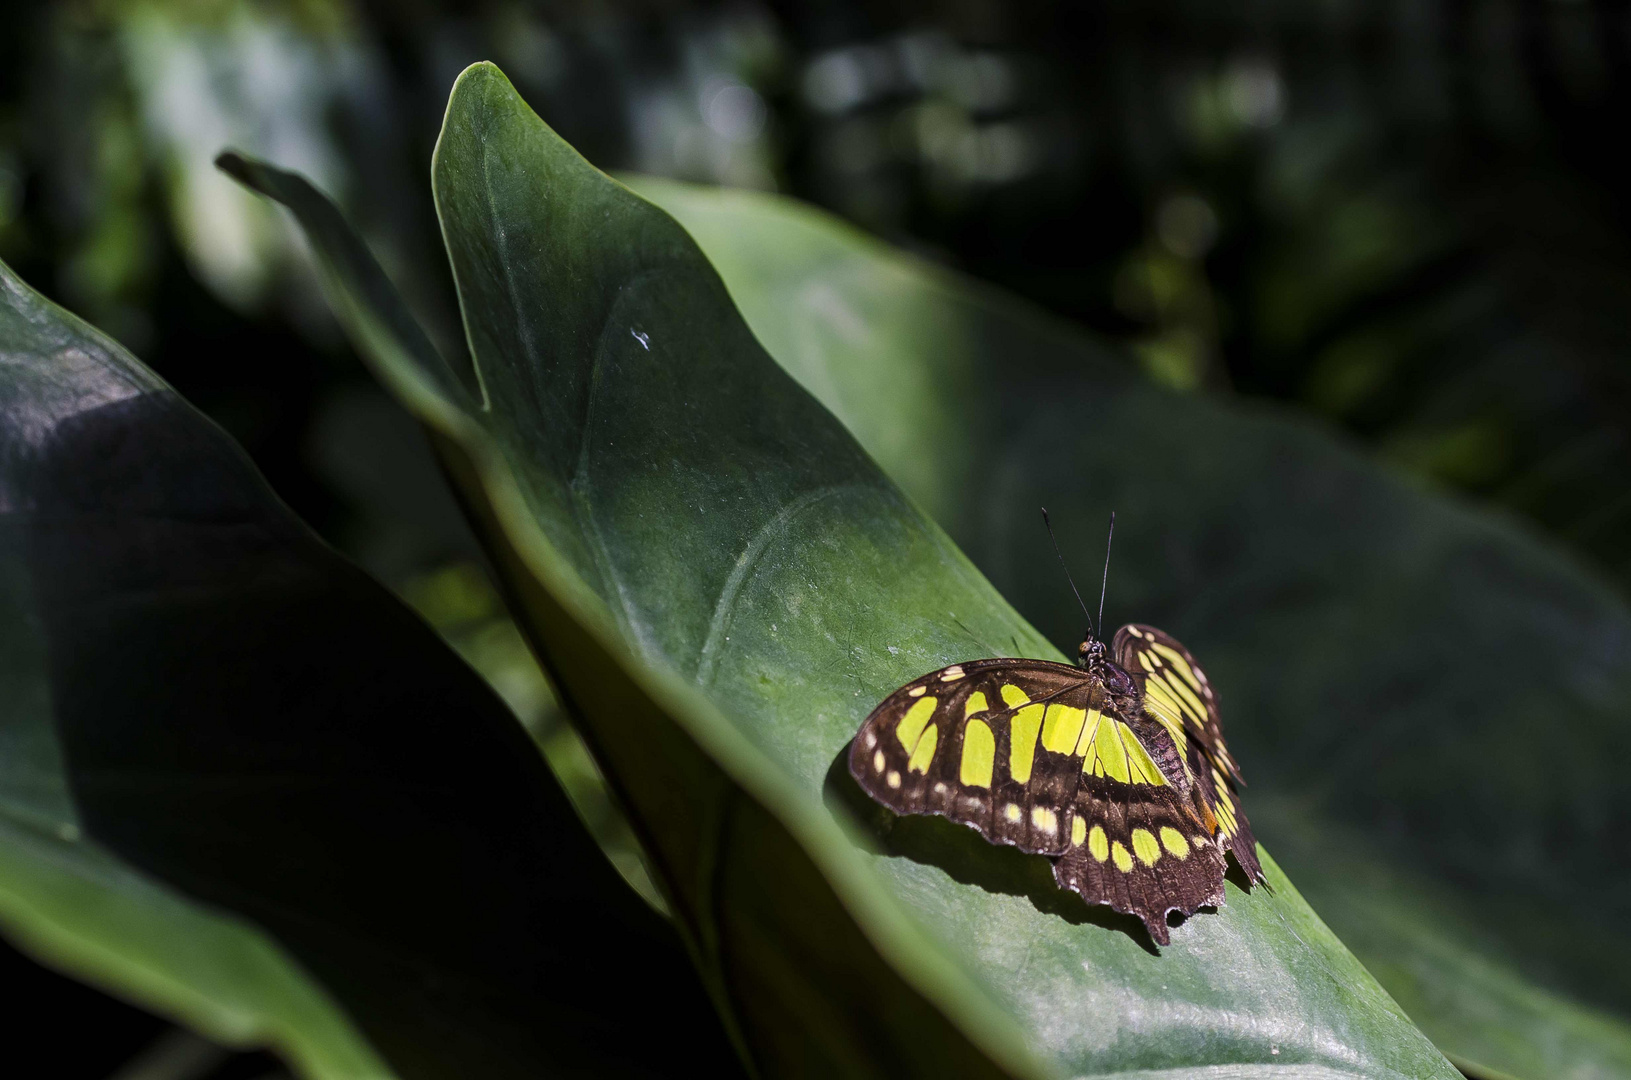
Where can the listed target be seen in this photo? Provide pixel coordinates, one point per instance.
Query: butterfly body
(1114, 767)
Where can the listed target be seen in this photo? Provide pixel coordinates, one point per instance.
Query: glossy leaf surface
(723, 584)
(1431, 707)
(243, 785)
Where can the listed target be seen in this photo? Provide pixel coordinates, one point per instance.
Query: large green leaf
(1432, 709)
(242, 784)
(722, 584)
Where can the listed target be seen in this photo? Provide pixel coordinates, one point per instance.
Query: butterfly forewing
(1045, 757)
(1177, 693)
(963, 742)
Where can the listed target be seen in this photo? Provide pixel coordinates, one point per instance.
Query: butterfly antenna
(1085, 613)
(1106, 582)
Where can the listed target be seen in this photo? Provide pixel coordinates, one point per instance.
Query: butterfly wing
(1146, 856)
(1040, 756)
(1178, 694)
(963, 742)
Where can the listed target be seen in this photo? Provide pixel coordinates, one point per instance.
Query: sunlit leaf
(723, 584)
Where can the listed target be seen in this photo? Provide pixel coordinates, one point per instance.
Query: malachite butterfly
(1116, 768)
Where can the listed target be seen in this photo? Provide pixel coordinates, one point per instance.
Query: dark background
(1409, 219)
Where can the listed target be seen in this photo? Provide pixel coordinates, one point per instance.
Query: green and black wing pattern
(1176, 692)
(1057, 761)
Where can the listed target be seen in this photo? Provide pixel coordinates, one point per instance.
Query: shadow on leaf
(971, 859)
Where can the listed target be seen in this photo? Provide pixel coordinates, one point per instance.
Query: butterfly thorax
(1091, 658)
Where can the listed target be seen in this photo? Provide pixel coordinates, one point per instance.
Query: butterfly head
(1090, 652)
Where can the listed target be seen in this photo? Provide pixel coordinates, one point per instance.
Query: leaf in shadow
(223, 707)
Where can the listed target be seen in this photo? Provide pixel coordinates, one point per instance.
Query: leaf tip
(246, 170)
(232, 163)
(480, 77)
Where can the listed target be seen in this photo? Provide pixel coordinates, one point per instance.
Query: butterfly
(1116, 767)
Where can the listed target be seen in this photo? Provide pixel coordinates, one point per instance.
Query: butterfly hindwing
(1146, 858)
(1178, 694)
(1044, 757)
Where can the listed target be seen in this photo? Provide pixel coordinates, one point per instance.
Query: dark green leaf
(723, 584)
(242, 784)
(1431, 708)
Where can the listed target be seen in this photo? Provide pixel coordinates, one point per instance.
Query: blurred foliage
(129, 1044)
(1409, 220)
(1406, 219)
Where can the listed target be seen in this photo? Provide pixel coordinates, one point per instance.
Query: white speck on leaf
(893, 651)
(643, 339)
